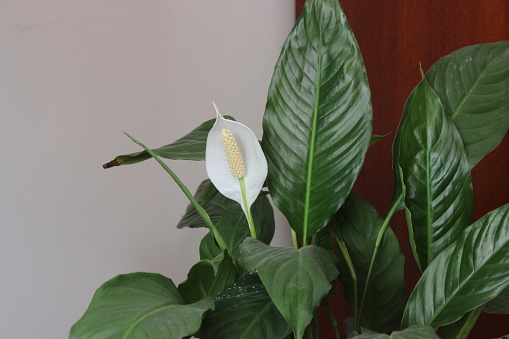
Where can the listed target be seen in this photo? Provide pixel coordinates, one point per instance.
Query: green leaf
(461, 328)
(469, 273)
(499, 305)
(359, 224)
(189, 147)
(234, 228)
(376, 138)
(398, 186)
(208, 278)
(244, 310)
(296, 280)
(140, 305)
(211, 200)
(473, 83)
(435, 173)
(317, 122)
(413, 332)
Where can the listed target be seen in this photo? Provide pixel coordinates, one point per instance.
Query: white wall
(73, 74)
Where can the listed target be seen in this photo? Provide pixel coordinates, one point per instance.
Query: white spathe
(218, 168)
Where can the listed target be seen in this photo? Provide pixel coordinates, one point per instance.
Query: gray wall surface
(73, 75)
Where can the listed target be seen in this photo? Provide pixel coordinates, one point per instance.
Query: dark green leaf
(359, 224)
(376, 138)
(140, 305)
(234, 228)
(469, 273)
(413, 332)
(208, 278)
(461, 328)
(500, 304)
(245, 310)
(436, 176)
(189, 147)
(398, 184)
(296, 280)
(473, 83)
(317, 122)
(211, 200)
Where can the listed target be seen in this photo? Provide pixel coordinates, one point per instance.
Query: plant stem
(351, 268)
(294, 240)
(332, 320)
(204, 215)
(247, 209)
(373, 257)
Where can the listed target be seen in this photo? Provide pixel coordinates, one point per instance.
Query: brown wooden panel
(394, 37)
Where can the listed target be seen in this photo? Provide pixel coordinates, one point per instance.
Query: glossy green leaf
(469, 273)
(436, 176)
(234, 228)
(211, 200)
(189, 147)
(244, 310)
(317, 122)
(359, 224)
(208, 278)
(296, 280)
(473, 83)
(140, 305)
(413, 332)
(500, 304)
(398, 185)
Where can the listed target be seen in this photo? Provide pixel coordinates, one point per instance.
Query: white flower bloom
(234, 158)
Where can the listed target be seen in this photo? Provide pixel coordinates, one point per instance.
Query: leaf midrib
(312, 144)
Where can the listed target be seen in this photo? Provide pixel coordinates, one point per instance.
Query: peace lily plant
(316, 132)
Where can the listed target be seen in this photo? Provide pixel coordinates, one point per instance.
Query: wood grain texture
(394, 37)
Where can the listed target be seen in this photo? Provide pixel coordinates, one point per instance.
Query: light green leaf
(296, 280)
(211, 200)
(317, 122)
(140, 305)
(359, 224)
(234, 228)
(413, 332)
(473, 83)
(208, 278)
(436, 176)
(469, 273)
(244, 310)
(189, 147)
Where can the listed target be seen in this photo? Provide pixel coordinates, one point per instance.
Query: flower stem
(351, 268)
(247, 209)
(332, 320)
(205, 216)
